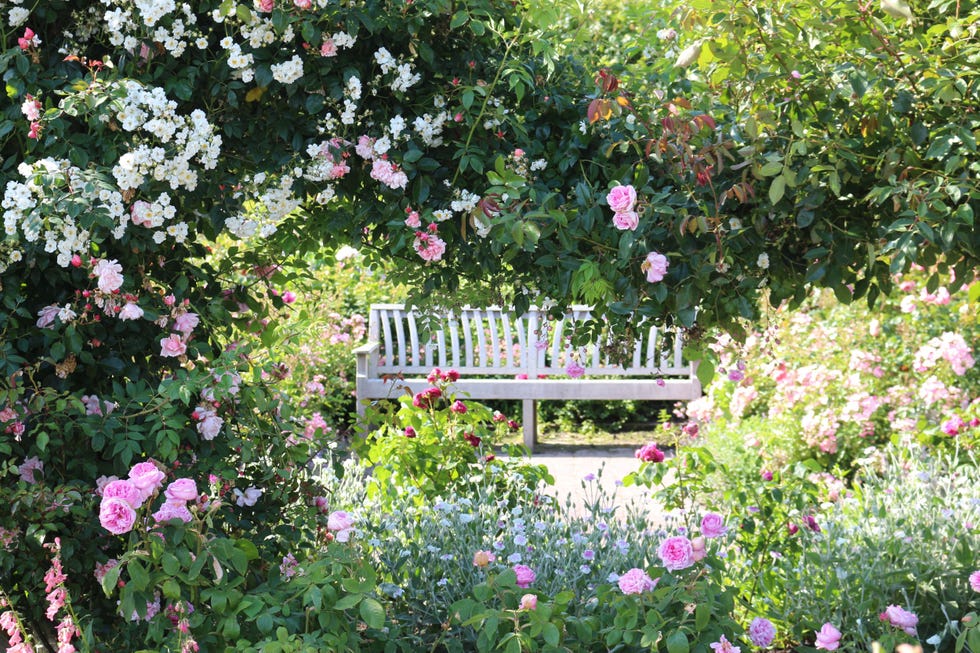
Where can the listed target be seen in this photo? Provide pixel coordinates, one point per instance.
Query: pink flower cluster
(122, 498)
(636, 581)
(15, 637)
(429, 246)
(621, 200)
(649, 453)
(949, 346)
(387, 173)
(341, 523)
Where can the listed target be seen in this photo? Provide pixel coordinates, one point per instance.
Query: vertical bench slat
(556, 342)
(651, 358)
(415, 355)
(492, 314)
(454, 339)
(508, 339)
(678, 347)
(467, 337)
(400, 335)
(441, 342)
(384, 318)
(531, 355)
(480, 355)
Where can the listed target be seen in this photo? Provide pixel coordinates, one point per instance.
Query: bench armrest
(367, 359)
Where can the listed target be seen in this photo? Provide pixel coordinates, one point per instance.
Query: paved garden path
(572, 465)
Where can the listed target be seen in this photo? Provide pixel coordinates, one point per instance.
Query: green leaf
(372, 613)
(771, 168)
(264, 622)
(138, 575)
(459, 18)
(777, 189)
(550, 634)
(677, 642)
(348, 601)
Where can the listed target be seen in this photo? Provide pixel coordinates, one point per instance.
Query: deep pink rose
(828, 638)
(626, 220)
(525, 575)
(975, 581)
(173, 510)
(621, 198)
(676, 553)
(172, 346)
(182, 489)
(147, 477)
(649, 453)
(116, 515)
(124, 490)
(713, 525)
(636, 581)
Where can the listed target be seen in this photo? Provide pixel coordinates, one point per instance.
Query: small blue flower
(514, 557)
(520, 539)
(585, 569)
(588, 554)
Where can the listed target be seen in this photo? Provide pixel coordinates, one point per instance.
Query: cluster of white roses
(134, 26)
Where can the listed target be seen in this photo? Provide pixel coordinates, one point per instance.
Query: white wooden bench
(502, 356)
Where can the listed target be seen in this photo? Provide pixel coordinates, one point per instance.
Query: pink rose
(636, 581)
(761, 632)
(182, 489)
(147, 477)
(173, 510)
(328, 49)
(210, 425)
(713, 525)
(27, 469)
(186, 322)
(699, 548)
(303, 4)
(109, 274)
(484, 558)
(975, 581)
(130, 311)
(621, 198)
(46, 315)
(116, 516)
(525, 575)
(529, 602)
(649, 453)
(574, 370)
(626, 220)
(901, 618)
(172, 346)
(340, 521)
(288, 297)
(124, 490)
(655, 266)
(137, 213)
(828, 638)
(265, 6)
(676, 553)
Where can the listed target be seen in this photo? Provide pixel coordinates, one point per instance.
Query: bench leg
(530, 424)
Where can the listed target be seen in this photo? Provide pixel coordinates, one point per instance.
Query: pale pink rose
(329, 49)
(413, 220)
(173, 510)
(137, 213)
(303, 4)
(169, 300)
(655, 266)
(676, 553)
(130, 311)
(210, 426)
(172, 346)
(698, 548)
(147, 477)
(28, 467)
(525, 575)
(340, 521)
(621, 198)
(365, 147)
(109, 274)
(713, 525)
(761, 632)
(182, 489)
(265, 6)
(636, 581)
(724, 646)
(529, 602)
(828, 638)
(185, 323)
(103, 481)
(901, 618)
(626, 220)
(31, 108)
(484, 558)
(116, 516)
(125, 490)
(46, 315)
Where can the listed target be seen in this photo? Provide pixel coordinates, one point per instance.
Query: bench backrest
(493, 341)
